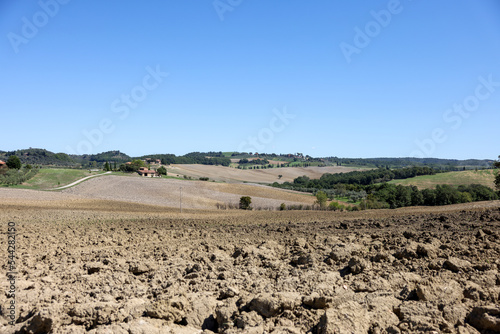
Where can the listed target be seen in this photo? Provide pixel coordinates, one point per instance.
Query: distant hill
(110, 156)
(40, 156)
(408, 162)
(203, 158)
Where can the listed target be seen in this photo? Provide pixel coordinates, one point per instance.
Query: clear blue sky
(357, 78)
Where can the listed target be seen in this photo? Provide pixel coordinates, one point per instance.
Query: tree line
(210, 158)
(371, 190)
(328, 180)
(397, 196)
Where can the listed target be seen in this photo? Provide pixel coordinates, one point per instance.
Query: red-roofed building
(143, 171)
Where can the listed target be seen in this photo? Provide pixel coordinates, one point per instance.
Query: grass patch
(484, 177)
(48, 178)
(346, 199)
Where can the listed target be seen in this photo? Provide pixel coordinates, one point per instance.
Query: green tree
(497, 177)
(245, 202)
(335, 206)
(496, 164)
(106, 167)
(162, 170)
(13, 162)
(321, 198)
(133, 166)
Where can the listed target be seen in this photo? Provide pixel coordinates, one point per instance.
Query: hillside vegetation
(483, 177)
(372, 191)
(48, 178)
(38, 156)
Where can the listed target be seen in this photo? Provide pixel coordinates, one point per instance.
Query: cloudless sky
(353, 78)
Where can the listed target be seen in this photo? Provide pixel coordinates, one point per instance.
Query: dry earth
(102, 266)
(229, 174)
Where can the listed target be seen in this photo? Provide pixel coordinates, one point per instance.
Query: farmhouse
(2, 164)
(143, 171)
(153, 161)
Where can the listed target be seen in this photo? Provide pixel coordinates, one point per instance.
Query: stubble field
(232, 175)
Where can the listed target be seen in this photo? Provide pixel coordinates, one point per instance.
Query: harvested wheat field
(105, 266)
(165, 192)
(228, 174)
(195, 194)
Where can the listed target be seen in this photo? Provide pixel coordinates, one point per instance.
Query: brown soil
(119, 267)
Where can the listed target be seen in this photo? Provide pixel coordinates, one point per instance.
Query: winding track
(78, 181)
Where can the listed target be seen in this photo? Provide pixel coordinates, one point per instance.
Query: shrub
(282, 207)
(162, 170)
(13, 162)
(321, 198)
(335, 206)
(245, 202)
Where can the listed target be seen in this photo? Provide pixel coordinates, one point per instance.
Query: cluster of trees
(108, 167)
(256, 167)
(397, 196)
(113, 156)
(328, 181)
(496, 165)
(371, 189)
(245, 161)
(39, 157)
(15, 173)
(210, 158)
(133, 166)
(439, 164)
(44, 157)
(391, 196)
